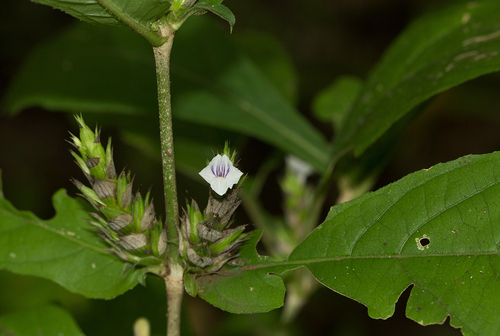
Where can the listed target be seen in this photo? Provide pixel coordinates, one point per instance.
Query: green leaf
(45, 321)
(218, 9)
(88, 69)
(63, 249)
(137, 14)
(88, 11)
(251, 291)
(370, 249)
(335, 101)
(435, 53)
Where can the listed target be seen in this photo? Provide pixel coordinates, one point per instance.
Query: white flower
(221, 174)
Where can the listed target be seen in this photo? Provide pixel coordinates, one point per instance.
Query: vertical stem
(162, 59)
(174, 278)
(175, 290)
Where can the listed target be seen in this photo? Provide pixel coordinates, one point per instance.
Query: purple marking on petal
(220, 169)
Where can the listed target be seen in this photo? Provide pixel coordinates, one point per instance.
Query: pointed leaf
(62, 249)
(435, 53)
(45, 321)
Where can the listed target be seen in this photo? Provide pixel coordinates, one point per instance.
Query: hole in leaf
(423, 243)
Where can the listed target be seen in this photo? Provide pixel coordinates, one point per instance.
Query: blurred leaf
(88, 69)
(436, 52)
(335, 101)
(251, 291)
(63, 249)
(225, 89)
(45, 321)
(270, 56)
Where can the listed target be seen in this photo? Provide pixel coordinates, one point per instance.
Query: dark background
(325, 38)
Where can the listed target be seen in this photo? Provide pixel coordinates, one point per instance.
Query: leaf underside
(93, 11)
(437, 229)
(436, 52)
(63, 249)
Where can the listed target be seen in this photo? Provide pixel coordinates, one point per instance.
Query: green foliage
(88, 69)
(44, 321)
(436, 229)
(62, 249)
(438, 51)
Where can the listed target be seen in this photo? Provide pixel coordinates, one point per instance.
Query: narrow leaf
(45, 321)
(63, 249)
(435, 53)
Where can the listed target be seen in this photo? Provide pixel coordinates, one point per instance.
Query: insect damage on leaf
(423, 243)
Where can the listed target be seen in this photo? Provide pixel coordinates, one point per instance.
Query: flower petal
(221, 174)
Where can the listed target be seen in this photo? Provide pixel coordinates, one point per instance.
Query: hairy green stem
(162, 59)
(174, 275)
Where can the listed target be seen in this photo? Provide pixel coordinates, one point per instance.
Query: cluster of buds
(207, 242)
(126, 221)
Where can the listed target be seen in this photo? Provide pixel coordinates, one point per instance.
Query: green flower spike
(127, 222)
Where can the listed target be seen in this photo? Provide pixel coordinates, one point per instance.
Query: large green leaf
(438, 51)
(437, 229)
(89, 69)
(63, 249)
(45, 321)
(369, 249)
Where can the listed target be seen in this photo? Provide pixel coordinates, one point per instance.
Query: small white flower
(301, 169)
(221, 174)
